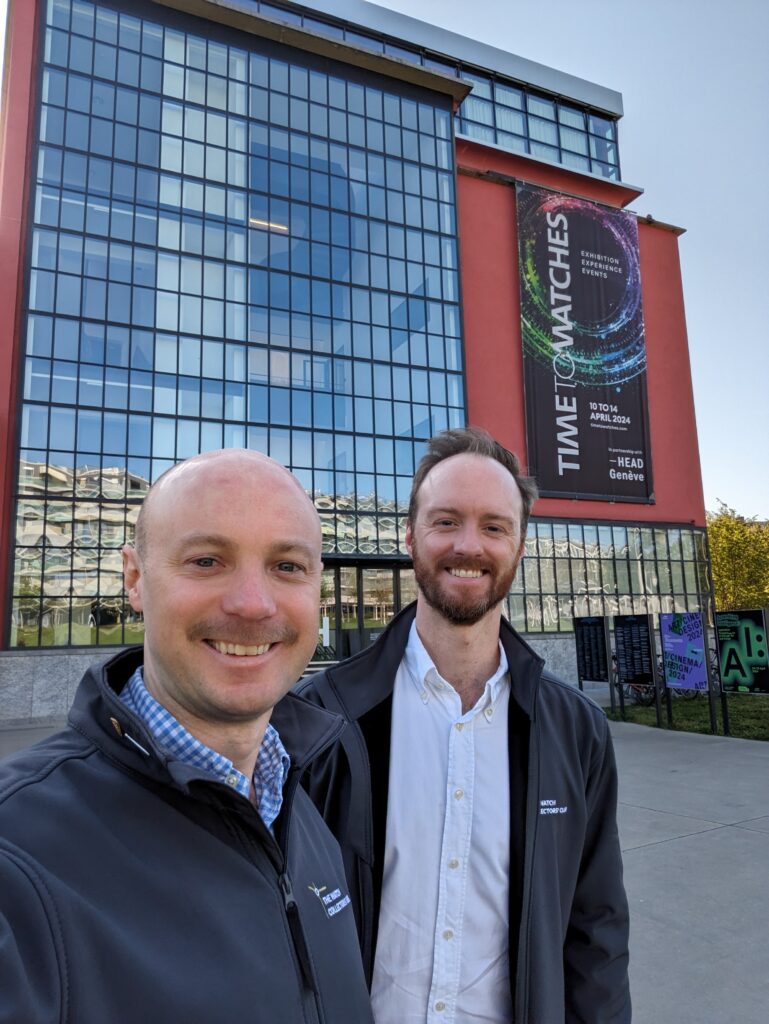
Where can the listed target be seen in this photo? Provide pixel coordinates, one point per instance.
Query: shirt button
(489, 712)
(459, 726)
(448, 934)
(440, 1006)
(453, 863)
(423, 695)
(232, 780)
(458, 794)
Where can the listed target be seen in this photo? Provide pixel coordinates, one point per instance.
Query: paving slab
(641, 826)
(12, 740)
(695, 838)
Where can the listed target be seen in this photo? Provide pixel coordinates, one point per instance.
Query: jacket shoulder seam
(46, 771)
(576, 692)
(28, 869)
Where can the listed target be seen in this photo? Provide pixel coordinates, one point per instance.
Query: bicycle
(639, 693)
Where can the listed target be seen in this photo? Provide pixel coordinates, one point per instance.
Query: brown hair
(473, 441)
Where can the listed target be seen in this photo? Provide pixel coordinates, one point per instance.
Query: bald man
(158, 860)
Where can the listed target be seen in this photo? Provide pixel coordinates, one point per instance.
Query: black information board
(590, 638)
(633, 645)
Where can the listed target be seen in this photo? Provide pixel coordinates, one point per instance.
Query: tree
(739, 554)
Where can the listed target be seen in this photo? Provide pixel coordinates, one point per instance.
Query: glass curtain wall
(570, 569)
(233, 244)
(499, 110)
(575, 569)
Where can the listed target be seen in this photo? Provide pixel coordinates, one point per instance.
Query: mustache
(468, 563)
(231, 633)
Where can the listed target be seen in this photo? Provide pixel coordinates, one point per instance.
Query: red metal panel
(490, 295)
(18, 103)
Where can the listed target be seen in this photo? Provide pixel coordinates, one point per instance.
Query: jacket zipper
(289, 901)
(297, 935)
(532, 814)
(279, 857)
(284, 881)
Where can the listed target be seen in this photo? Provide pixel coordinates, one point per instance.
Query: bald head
(227, 579)
(205, 470)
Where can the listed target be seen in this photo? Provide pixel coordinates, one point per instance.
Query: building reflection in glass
(72, 523)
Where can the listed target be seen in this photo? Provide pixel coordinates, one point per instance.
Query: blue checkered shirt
(272, 762)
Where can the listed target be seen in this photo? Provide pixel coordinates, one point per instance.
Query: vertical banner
(590, 638)
(633, 646)
(743, 659)
(683, 650)
(584, 353)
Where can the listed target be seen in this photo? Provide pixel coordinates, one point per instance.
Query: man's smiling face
(466, 539)
(228, 579)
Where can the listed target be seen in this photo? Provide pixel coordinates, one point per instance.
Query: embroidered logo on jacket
(551, 807)
(332, 902)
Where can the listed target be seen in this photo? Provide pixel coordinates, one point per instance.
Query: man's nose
(469, 540)
(249, 594)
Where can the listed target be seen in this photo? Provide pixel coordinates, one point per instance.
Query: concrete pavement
(16, 739)
(694, 828)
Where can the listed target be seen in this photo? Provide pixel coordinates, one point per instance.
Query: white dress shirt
(442, 945)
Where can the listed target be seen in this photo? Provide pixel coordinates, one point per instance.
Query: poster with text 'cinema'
(583, 348)
(683, 650)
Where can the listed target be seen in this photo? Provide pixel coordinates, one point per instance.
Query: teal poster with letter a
(743, 658)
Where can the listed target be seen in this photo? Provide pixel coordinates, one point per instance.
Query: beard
(461, 610)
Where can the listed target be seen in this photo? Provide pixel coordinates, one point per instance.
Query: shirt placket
(455, 850)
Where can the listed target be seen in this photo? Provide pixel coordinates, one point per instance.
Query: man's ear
(132, 575)
(408, 537)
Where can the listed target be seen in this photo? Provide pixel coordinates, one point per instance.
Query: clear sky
(694, 76)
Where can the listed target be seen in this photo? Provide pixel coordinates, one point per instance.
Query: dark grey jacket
(136, 888)
(568, 911)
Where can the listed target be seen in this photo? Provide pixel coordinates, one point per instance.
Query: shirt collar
(429, 682)
(272, 762)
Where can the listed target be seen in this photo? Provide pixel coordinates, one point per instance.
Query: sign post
(591, 637)
(633, 643)
(684, 657)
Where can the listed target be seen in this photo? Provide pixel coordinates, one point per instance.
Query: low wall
(37, 686)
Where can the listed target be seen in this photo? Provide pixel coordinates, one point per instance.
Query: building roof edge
(239, 15)
(472, 51)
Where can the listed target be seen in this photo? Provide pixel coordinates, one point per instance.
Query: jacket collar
(99, 714)
(365, 680)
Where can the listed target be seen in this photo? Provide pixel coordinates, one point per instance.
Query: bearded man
(474, 794)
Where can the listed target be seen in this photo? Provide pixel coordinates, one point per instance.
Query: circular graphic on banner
(581, 278)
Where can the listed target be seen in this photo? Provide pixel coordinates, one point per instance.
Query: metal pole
(655, 674)
(610, 666)
(710, 618)
(621, 692)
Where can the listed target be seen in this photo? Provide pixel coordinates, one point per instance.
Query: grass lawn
(748, 715)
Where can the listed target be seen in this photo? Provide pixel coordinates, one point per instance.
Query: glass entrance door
(378, 594)
(357, 602)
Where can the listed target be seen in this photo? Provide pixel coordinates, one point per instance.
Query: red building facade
(295, 229)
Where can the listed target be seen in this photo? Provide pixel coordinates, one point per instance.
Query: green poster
(742, 651)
